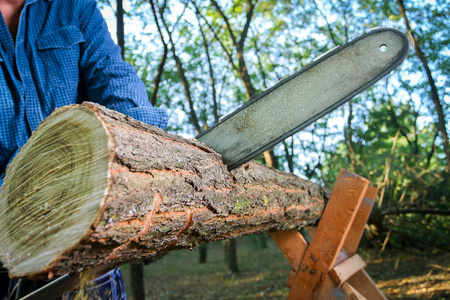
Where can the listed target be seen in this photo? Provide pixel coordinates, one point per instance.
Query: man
(55, 53)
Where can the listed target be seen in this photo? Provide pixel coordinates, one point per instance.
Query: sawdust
(81, 293)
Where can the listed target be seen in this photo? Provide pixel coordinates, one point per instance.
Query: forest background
(202, 59)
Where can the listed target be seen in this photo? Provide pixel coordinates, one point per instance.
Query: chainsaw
(300, 99)
(288, 107)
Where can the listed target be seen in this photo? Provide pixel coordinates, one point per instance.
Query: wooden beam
(362, 282)
(292, 244)
(351, 293)
(342, 272)
(357, 228)
(291, 279)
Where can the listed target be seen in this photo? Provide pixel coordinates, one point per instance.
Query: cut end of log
(53, 190)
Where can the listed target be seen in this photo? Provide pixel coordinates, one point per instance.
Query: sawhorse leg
(328, 267)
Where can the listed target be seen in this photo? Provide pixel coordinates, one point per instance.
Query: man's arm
(107, 78)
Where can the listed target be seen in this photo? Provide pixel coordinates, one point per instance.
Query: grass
(264, 272)
(403, 275)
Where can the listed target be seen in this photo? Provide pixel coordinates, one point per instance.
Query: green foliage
(389, 134)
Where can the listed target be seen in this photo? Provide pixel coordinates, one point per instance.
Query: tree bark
(93, 187)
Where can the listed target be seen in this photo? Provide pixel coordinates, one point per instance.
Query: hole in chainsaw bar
(383, 48)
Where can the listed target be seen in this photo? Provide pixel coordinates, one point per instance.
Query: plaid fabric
(108, 286)
(63, 54)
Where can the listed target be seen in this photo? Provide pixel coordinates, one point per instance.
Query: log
(94, 187)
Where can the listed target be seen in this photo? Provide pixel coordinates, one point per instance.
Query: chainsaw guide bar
(300, 99)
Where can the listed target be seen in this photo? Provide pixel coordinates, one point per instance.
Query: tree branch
(243, 71)
(183, 78)
(434, 92)
(415, 211)
(230, 58)
(211, 71)
(227, 23)
(244, 32)
(162, 62)
(330, 30)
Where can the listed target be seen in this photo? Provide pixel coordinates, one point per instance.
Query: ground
(264, 271)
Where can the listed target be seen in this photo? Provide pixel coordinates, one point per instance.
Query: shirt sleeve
(109, 80)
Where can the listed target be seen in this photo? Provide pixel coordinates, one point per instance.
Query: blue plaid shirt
(63, 54)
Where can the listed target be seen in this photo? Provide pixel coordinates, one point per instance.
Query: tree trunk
(137, 281)
(120, 27)
(203, 253)
(93, 187)
(230, 251)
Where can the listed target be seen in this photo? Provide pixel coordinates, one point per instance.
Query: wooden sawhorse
(328, 267)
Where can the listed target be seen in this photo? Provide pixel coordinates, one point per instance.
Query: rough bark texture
(166, 193)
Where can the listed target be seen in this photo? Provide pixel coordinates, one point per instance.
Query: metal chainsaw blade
(302, 98)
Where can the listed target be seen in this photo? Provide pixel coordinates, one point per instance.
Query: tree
(211, 56)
